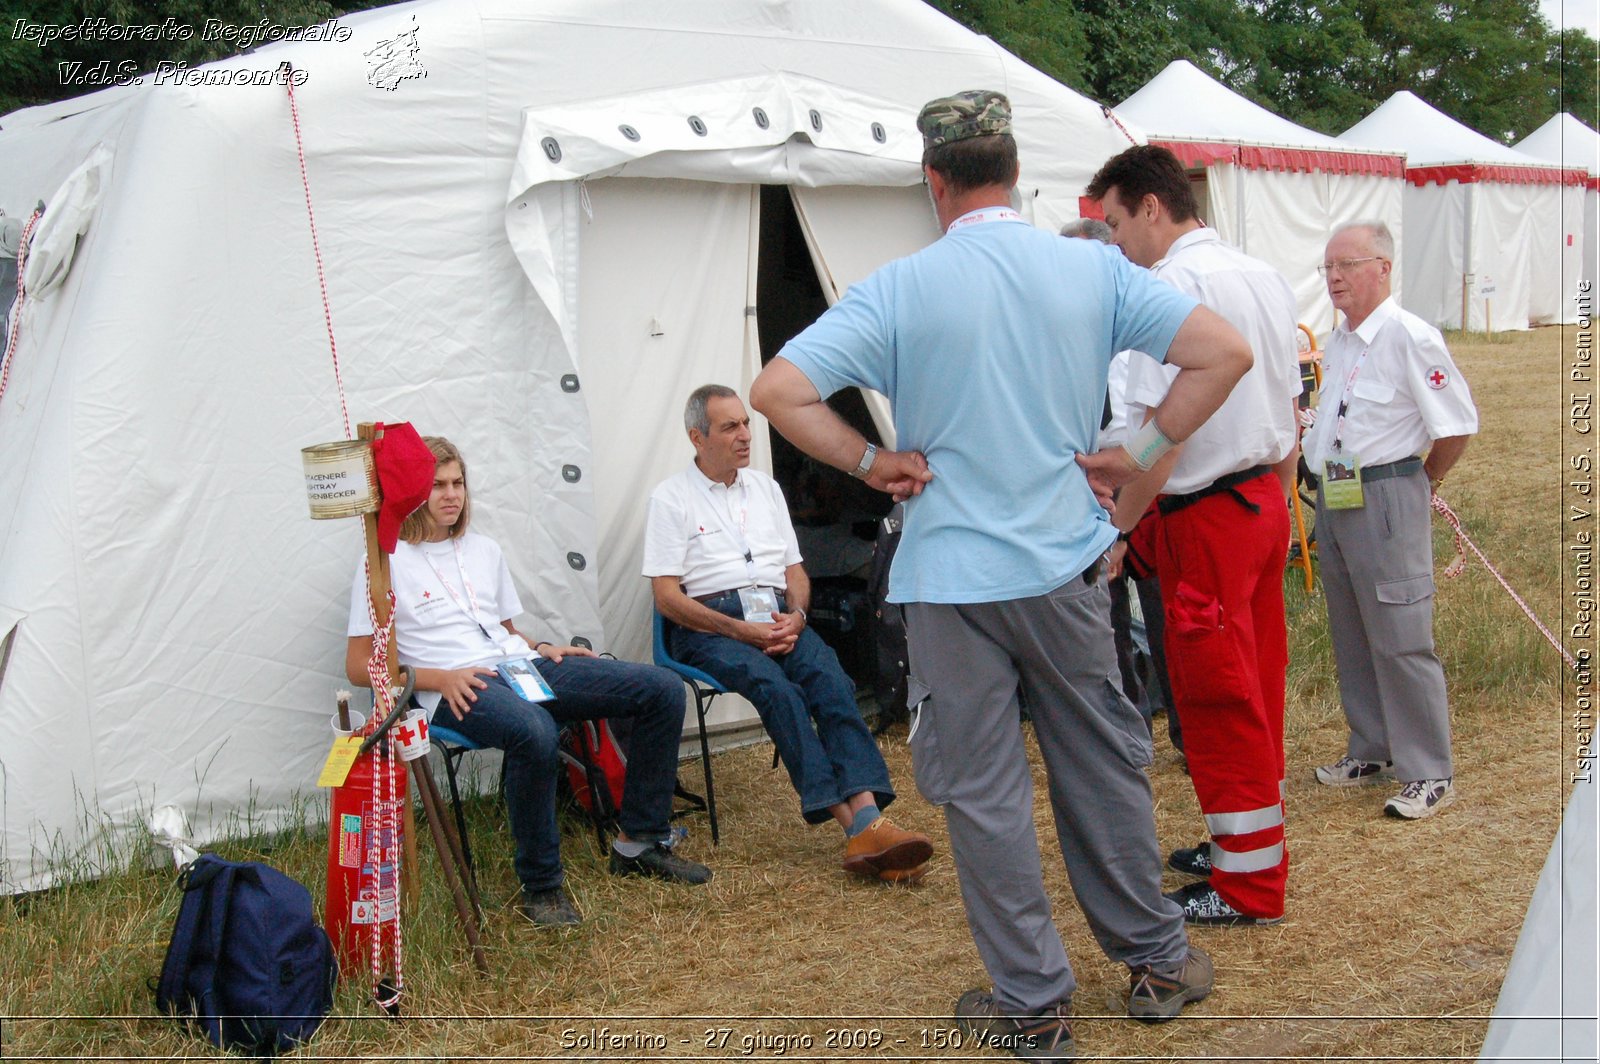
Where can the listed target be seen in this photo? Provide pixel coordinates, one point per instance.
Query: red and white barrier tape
(22, 293)
(386, 850)
(316, 252)
(1455, 568)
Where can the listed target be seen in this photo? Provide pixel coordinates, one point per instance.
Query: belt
(1171, 504)
(707, 599)
(1403, 467)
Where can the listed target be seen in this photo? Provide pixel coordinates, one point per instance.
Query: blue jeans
(586, 689)
(827, 764)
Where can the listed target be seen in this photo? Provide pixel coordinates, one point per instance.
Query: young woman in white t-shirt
(453, 623)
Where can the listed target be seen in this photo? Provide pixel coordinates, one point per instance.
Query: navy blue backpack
(248, 963)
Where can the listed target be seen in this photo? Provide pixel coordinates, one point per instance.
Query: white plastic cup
(357, 722)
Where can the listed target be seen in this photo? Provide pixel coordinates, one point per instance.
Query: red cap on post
(405, 477)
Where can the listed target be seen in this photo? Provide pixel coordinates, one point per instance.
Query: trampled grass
(1395, 945)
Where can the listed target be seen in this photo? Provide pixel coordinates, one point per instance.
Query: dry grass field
(1396, 940)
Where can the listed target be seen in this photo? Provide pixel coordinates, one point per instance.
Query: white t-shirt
(1407, 393)
(1256, 424)
(699, 530)
(449, 600)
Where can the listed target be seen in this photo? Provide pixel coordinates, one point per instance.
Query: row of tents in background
(1489, 237)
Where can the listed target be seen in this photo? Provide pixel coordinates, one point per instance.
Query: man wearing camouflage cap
(993, 344)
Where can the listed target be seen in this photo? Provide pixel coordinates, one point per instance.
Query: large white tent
(1272, 188)
(1488, 228)
(540, 223)
(1565, 141)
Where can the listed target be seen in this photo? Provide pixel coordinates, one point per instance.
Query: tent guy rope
(22, 292)
(1455, 568)
(316, 248)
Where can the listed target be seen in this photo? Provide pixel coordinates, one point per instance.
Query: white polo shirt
(1256, 424)
(449, 600)
(700, 531)
(1407, 393)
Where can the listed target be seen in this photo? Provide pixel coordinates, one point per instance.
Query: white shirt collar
(1203, 235)
(706, 483)
(1372, 322)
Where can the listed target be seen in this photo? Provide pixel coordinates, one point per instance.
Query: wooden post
(378, 587)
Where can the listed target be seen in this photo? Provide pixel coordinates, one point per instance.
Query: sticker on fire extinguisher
(349, 841)
(363, 912)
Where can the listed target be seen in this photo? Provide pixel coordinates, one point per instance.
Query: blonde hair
(417, 525)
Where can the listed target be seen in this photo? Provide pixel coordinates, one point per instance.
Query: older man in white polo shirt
(1390, 391)
(725, 570)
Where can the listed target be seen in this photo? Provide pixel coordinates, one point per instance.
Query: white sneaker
(1347, 772)
(1420, 798)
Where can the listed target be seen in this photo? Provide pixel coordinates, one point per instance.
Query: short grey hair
(1377, 232)
(1088, 229)
(695, 418)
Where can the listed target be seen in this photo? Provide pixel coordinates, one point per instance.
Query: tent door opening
(835, 516)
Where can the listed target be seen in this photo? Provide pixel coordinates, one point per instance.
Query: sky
(1573, 14)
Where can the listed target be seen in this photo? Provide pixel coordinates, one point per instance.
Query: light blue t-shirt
(992, 345)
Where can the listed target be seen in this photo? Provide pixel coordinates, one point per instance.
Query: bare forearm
(1443, 456)
(685, 612)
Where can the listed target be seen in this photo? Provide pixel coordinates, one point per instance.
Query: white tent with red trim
(1489, 229)
(542, 223)
(1565, 141)
(1270, 187)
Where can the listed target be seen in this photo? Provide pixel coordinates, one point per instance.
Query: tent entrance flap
(835, 516)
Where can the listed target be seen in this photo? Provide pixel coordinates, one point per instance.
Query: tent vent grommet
(816, 120)
(552, 149)
(761, 117)
(878, 133)
(576, 560)
(569, 382)
(571, 474)
(697, 124)
(580, 641)
(629, 132)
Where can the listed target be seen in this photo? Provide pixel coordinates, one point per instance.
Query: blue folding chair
(705, 690)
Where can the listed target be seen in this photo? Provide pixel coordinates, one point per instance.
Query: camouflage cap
(974, 113)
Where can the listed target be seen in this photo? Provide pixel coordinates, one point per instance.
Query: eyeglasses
(1343, 265)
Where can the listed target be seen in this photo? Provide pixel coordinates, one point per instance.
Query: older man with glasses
(1392, 391)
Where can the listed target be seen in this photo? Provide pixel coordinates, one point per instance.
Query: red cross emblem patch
(1436, 377)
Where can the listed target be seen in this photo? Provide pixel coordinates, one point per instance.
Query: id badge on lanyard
(760, 604)
(1341, 482)
(1341, 471)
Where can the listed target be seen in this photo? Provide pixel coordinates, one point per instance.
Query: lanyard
(1344, 401)
(744, 515)
(986, 214)
(472, 595)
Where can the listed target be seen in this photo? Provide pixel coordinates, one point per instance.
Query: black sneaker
(1155, 998)
(549, 908)
(1202, 905)
(1043, 1038)
(1192, 861)
(660, 863)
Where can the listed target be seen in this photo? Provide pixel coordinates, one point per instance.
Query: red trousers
(1221, 572)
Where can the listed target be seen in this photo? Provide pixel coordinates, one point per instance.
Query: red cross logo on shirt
(427, 594)
(1437, 378)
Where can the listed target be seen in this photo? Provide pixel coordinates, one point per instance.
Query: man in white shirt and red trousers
(1220, 541)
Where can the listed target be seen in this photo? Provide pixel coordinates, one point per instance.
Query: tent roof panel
(1566, 141)
(1184, 106)
(1440, 149)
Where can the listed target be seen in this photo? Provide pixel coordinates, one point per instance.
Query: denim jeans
(651, 699)
(827, 764)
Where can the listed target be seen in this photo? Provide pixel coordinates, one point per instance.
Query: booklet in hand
(525, 680)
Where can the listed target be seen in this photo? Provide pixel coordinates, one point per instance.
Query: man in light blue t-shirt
(993, 345)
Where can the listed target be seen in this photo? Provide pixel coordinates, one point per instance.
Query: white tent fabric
(1276, 189)
(504, 266)
(1486, 224)
(1547, 1006)
(1565, 141)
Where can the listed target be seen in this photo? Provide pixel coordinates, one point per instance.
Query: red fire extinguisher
(363, 858)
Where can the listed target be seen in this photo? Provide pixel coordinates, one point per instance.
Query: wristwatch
(865, 465)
